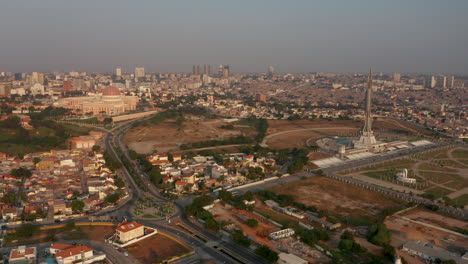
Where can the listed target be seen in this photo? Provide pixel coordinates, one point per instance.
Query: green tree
(379, 234)
(347, 235)
(21, 172)
(210, 223)
(12, 122)
(107, 120)
(267, 253)
(9, 198)
(119, 182)
(96, 148)
(77, 206)
(225, 196)
(27, 230)
(36, 160)
(252, 223)
(240, 239)
(112, 198)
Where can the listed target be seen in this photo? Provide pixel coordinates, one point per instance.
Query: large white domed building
(111, 102)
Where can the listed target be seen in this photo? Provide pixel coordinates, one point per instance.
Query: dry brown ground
(292, 140)
(156, 248)
(336, 197)
(318, 155)
(403, 231)
(167, 136)
(435, 219)
(259, 234)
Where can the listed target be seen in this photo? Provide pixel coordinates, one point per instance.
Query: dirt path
(458, 193)
(450, 155)
(416, 172)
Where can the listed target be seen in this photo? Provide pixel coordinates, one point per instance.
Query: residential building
(5, 88)
(285, 258)
(23, 255)
(129, 231)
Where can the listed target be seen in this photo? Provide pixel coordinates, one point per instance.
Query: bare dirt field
(318, 155)
(339, 199)
(156, 249)
(168, 135)
(259, 233)
(403, 231)
(435, 219)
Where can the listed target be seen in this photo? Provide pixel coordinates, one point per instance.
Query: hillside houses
(57, 178)
(195, 174)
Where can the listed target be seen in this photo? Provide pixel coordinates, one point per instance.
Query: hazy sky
(249, 35)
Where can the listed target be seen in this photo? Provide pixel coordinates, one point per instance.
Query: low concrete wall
(132, 116)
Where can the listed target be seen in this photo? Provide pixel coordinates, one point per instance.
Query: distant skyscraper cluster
(139, 73)
(440, 81)
(197, 69)
(224, 71)
(271, 70)
(118, 72)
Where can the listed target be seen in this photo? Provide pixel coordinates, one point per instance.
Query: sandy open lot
(156, 248)
(336, 197)
(168, 136)
(403, 231)
(259, 234)
(435, 219)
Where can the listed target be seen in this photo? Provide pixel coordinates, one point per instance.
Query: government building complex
(111, 102)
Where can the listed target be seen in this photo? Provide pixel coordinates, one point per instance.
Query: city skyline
(336, 36)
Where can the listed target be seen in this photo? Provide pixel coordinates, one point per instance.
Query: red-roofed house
(58, 247)
(129, 231)
(22, 255)
(74, 254)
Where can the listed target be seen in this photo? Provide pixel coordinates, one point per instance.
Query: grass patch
(437, 192)
(460, 153)
(149, 216)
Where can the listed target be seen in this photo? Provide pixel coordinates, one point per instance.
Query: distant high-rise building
(34, 78)
(271, 70)
(18, 76)
(429, 81)
(5, 88)
(439, 81)
(118, 72)
(198, 69)
(226, 71)
(450, 82)
(396, 77)
(194, 69)
(139, 73)
(207, 69)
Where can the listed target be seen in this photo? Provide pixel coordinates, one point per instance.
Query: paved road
(236, 251)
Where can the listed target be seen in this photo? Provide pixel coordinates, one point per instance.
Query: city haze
(294, 36)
